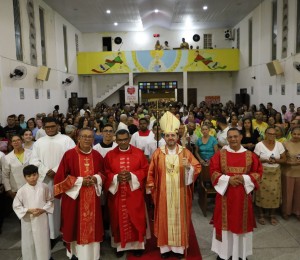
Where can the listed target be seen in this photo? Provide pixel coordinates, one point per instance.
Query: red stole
(87, 213)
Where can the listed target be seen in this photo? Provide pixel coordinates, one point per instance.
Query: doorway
(106, 43)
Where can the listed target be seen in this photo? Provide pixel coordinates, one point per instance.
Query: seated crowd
(274, 136)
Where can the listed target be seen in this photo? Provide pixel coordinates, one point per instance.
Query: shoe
(179, 256)
(53, 242)
(219, 258)
(273, 220)
(119, 254)
(74, 257)
(261, 219)
(285, 216)
(138, 253)
(165, 255)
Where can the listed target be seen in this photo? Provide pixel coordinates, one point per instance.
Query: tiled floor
(281, 242)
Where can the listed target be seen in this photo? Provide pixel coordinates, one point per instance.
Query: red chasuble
(126, 207)
(157, 181)
(81, 219)
(234, 211)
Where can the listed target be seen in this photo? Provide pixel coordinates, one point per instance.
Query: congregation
(125, 140)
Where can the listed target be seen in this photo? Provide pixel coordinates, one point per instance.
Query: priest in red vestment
(78, 182)
(172, 172)
(235, 173)
(126, 170)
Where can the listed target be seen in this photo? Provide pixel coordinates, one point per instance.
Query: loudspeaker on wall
(43, 73)
(274, 68)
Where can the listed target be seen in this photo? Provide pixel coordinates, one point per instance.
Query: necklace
(172, 161)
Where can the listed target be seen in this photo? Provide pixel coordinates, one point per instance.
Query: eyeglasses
(87, 137)
(123, 140)
(15, 141)
(50, 126)
(108, 131)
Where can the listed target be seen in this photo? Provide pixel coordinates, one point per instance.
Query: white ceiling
(138, 15)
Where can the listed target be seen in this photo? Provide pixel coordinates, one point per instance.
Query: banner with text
(131, 94)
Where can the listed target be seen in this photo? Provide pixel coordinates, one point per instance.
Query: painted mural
(158, 61)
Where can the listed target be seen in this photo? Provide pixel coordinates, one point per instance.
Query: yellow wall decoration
(158, 61)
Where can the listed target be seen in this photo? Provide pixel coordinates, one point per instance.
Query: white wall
(262, 34)
(223, 84)
(145, 41)
(9, 88)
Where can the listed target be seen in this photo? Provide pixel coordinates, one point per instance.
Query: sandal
(273, 220)
(285, 216)
(261, 219)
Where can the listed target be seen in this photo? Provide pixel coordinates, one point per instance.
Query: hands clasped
(36, 212)
(124, 176)
(236, 180)
(89, 181)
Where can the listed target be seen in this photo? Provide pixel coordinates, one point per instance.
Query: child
(31, 204)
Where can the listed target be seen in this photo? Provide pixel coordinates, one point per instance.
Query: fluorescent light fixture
(108, 11)
(188, 22)
(204, 7)
(115, 24)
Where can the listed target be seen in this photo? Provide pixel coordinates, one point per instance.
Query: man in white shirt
(46, 155)
(223, 129)
(139, 139)
(154, 141)
(123, 123)
(107, 143)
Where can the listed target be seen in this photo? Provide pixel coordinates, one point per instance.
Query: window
(250, 42)
(298, 27)
(43, 38)
(32, 32)
(65, 48)
(76, 43)
(207, 41)
(18, 33)
(238, 38)
(274, 29)
(284, 29)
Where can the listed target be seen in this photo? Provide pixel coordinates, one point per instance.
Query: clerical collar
(106, 145)
(228, 149)
(125, 150)
(85, 152)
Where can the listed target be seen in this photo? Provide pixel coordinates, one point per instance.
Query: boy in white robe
(31, 204)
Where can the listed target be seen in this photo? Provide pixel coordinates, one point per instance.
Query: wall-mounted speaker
(118, 40)
(229, 34)
(274, 68)
(196, 37)
(43, 73)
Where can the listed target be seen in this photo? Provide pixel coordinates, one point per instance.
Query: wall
(145, 40)
(262, 34)
(10, 102)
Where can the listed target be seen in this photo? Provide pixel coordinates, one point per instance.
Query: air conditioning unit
(229, 34)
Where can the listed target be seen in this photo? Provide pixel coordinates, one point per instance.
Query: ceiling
(139, 15)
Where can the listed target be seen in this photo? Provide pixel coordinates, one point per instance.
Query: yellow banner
(112, 62)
